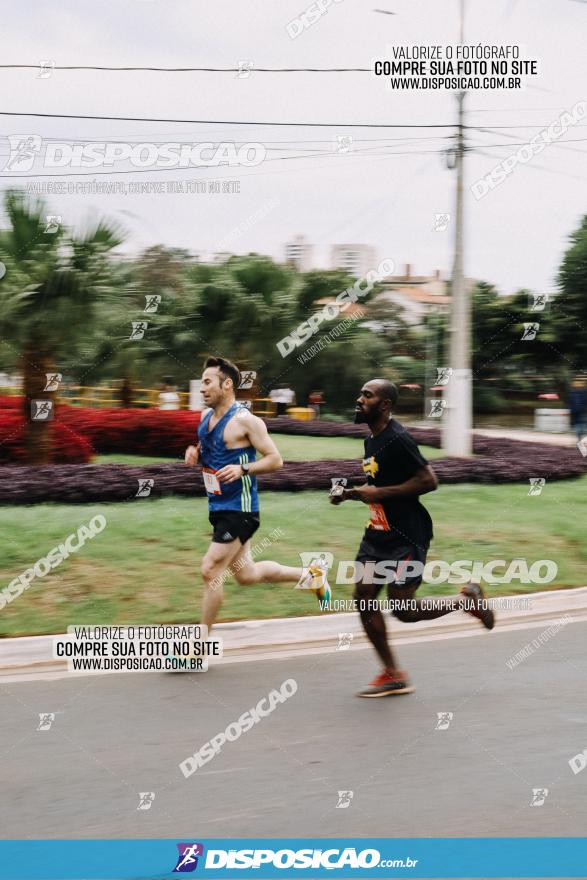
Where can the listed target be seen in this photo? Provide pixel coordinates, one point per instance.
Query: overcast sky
(515, 236)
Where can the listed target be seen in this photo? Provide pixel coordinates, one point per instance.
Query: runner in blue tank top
(229, 438)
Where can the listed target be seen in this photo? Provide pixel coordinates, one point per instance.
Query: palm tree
(53, 280)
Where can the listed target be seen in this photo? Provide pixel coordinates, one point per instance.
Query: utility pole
(456, 436)
(431, 362)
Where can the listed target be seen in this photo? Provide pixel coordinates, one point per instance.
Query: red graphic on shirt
(378, 519)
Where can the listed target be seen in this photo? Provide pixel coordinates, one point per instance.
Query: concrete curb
(283, 637)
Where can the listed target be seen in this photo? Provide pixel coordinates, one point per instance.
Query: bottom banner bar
(559, 857)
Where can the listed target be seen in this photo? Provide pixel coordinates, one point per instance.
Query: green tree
(569, 307)
(53, 281)
(317, 285)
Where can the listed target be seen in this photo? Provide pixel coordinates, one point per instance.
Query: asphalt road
(115, 736)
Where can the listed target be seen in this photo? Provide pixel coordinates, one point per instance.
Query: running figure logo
(244, 69)
(144, 489)
(537, 301)
(537, 484)
(46, 69)
(152, 302)
(53, 222)
(530, 331)
(53, 380)
(46, 719)
(23, 150)
(245, 410)
(441, 222)
(146, 800)
(247, 379)
(436, 408)
(444, 719)
(539, 795)
(344, 799)
(41, 410)
(138, 329)
(443, 374)
(344, 144)
(323, 558)
(187, 860)
(338, 487)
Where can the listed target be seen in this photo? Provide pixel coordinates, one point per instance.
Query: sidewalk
(30, 657)
(524, 435)
(529, 436)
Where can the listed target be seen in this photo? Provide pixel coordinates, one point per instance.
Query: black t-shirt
(391, 458)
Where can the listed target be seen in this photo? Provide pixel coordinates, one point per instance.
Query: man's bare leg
(235, 560)
(415, 610)
(215, 568)
(247, 571)
(374, 623)
(470, 599)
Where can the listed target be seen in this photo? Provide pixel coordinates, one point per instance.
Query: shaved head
(386, 389)
(376, 401)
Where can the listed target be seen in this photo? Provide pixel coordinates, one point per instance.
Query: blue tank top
(214, 454)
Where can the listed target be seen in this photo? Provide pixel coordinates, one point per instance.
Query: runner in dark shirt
(397, 535)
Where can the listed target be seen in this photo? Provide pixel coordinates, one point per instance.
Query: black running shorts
(231, 524)
(397, 556)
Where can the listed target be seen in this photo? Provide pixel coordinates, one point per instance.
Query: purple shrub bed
(73, 484)
(497, 460)
(315, 428)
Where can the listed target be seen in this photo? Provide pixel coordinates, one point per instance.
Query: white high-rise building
(356, 259)
(298, 253)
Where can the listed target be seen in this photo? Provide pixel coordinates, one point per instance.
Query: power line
(230, 121)
(357, 154)
(525, 143)
(266, 123)
(559, 145)
(277, 145)
(90, 173)
(535, 125)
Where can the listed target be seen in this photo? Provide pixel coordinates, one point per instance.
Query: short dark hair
(226, 368)
(388, 390)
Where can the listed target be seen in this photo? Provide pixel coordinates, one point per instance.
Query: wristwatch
(245, 468)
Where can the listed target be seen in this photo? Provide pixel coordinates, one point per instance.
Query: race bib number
(211, 482)
(378, 519)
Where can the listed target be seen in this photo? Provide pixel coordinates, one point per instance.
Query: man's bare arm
(192, 455)
(258, 435)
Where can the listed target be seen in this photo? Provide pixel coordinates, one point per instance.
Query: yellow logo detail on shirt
(370, 466)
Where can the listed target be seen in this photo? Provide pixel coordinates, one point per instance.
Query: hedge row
(499, 461)
(133, 431)
(78, 433)
(68, 446)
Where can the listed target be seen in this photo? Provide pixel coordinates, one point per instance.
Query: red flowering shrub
(69, 447)
(133, 431)
(10, 402)
(80, 432)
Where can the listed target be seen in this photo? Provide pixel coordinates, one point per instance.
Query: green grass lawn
(144, 566)
(292, 448)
